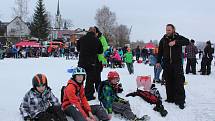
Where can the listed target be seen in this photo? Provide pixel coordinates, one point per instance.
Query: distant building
(58, 19)
(17, 28)
(13, 31)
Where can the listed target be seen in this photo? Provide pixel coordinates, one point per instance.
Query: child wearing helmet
(74, 101)
(112, 102)
(40, 104)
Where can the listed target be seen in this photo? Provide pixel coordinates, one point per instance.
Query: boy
(40, 104)
(112, 102)
(74, 101)
(129, 61)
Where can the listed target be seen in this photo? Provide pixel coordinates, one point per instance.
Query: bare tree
(67, 23)
(21, 9)
(106, 21)
(121, 35)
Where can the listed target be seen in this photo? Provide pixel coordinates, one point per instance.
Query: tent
(150, 46)
(28, 44)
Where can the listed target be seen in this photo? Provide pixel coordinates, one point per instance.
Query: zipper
(170, 54)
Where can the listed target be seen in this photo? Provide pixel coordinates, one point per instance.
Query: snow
(16, 76)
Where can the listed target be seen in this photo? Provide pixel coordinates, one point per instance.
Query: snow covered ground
(16, 76)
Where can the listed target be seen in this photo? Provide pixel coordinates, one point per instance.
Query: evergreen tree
(40, 25)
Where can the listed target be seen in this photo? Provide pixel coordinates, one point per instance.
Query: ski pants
(73, 112)
(206, 66)
(90, 80)
(53, 113)
(124, 109)
(174, 76)
(99, 68)
(99, 112)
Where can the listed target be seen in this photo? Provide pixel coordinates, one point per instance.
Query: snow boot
(144, 118)
(161, 110)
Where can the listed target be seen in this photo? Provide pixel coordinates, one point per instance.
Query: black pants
(130, 68)
(206, 66)
(191, 65)
(174, 77)
(53, 113)
(73, 112)
(99, 68)
(137, 57)
(90, 80)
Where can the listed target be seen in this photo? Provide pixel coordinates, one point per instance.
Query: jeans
(157, 72)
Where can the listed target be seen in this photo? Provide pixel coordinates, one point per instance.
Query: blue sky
(193, 18)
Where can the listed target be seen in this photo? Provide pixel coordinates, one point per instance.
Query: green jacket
(128, 57)
(101, 57)
(109, 96)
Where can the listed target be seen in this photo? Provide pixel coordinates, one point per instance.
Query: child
(157, 70)
(74, 100)
(40, 104)
(129, 61)
(112, 103)
(116, 59)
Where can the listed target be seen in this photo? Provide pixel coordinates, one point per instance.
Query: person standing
(89, 47)
(129, 61)
(137, 52)
(207, 59)
(101, 59)
(191, 51)
(170, 52)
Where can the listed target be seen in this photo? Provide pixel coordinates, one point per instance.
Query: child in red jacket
(74, 101)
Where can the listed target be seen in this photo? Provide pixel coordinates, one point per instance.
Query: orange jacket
(78, 100)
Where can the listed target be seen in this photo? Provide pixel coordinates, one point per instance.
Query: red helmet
(112, 75)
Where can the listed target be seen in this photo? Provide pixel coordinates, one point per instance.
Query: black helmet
(39, 80)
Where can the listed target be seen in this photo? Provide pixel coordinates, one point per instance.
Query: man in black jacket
(89, 46)
(207, 59)
(170, 52)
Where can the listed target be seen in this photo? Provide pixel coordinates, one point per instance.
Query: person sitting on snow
(74, 100)
(116, 60)
(112, 102)
(40, 104)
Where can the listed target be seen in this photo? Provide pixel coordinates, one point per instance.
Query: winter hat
(39, 80)
(192, 41)
(208, 42)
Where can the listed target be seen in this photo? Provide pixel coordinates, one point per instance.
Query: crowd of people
(34, 52)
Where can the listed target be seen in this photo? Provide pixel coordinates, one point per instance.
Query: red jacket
(78, 100)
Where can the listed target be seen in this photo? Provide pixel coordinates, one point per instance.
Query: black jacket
(208, 52)
(171, 54)
(89, 46)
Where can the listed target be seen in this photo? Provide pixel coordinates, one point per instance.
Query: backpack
(62, 92)
(100, 88)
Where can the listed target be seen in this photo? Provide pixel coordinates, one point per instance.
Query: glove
(27, 118)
